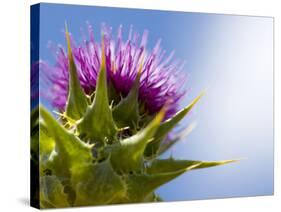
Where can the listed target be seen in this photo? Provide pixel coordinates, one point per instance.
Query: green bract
(102, 153)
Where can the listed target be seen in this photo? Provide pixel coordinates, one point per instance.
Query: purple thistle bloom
(161, 80)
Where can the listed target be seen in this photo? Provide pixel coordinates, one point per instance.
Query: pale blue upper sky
(231, 57)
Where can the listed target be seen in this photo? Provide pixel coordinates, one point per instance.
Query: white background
(14, 97)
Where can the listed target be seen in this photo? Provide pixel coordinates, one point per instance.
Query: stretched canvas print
(139, 106)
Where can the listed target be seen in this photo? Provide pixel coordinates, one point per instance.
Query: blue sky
(231, 57)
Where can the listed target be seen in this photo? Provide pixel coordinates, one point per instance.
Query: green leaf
(172, 165)
(52, 193)
(167, 126)
(126, 113)
(127, 155)
(97, 184)
(208, 164)
(159, 172)
(98, 125)
(69, 150)
(140, 186)
(77, 101)
(46, 147)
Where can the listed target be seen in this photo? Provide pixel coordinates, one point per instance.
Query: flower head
(159, 81)
(113, 98)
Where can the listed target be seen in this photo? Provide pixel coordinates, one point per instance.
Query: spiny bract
(102, 152)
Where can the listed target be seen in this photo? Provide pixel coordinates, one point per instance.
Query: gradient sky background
(229, 56)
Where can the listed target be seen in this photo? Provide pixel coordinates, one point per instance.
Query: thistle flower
(161, 78)
(105, 148)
